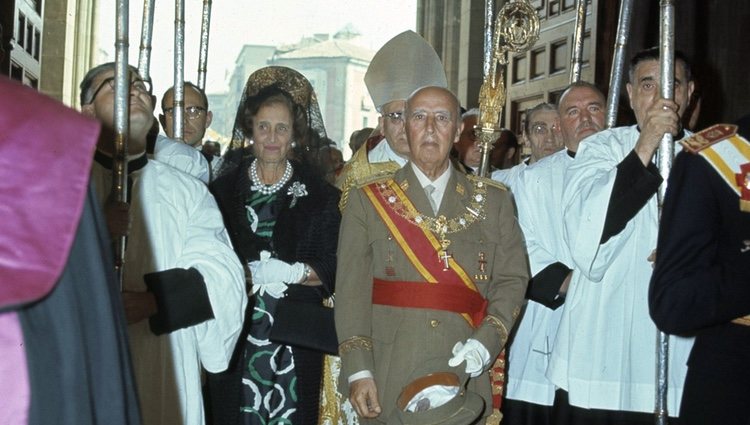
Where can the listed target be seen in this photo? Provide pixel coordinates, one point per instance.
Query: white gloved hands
(271, 275)
(474, 353)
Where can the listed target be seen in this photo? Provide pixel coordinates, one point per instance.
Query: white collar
(439, 183)
(383, 152)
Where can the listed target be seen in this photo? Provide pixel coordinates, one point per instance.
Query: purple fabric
(14, 393)
(46, 164)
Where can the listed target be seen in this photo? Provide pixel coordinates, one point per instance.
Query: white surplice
(182, 157)
(538, 193)
(177, 224)
(509, 177)
(605, 352)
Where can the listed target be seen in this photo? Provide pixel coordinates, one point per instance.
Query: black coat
(306, 232)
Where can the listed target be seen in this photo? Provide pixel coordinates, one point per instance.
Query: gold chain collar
(440, 225)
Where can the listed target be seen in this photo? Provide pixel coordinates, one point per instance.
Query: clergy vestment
(605, 351)
(510, 176)
(182, 157)
(64, 357)
(373, 258)
(176, 224)
(538, 194)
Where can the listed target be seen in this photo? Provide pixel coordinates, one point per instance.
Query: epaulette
(380, 175)
(710, 136)
(729, 154)
(359, 171)
(487, 181)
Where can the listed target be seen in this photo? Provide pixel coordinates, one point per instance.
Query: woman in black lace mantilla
(283, 220)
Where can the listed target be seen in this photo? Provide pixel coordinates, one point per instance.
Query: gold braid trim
(516, 312)
(489, 182)
(355, 343)
(495, 418)
(441, 225)
(330, 400)
(359, 171)
(498, 325)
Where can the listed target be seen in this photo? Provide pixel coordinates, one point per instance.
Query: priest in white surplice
(604, 355)
(183, 288)
(541, 132)
(538, 193)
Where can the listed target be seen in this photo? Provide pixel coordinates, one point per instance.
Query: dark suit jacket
(404, 338)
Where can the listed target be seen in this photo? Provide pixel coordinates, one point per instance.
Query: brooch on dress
(296, 190)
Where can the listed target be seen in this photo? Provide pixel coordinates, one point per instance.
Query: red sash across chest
(447, 289)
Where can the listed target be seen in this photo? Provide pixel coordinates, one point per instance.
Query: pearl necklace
(267, 189)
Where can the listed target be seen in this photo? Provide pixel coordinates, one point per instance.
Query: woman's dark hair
(275, 95)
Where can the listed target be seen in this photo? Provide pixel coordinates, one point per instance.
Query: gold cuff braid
(498, 325)
(355, 343)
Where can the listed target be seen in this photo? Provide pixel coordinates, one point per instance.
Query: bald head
(433, 125)
(435, 92)
(582, 113)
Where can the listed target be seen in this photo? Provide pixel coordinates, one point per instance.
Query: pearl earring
(294, 144)
(251, 142)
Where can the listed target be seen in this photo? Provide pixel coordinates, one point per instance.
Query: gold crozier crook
(516, 31)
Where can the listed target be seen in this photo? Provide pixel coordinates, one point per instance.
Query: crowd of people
(276, 284)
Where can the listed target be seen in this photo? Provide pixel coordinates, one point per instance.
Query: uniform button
(434, 323)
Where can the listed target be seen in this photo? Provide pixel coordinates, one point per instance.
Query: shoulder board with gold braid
(729, 154)
(710, 136)
(487, 181)
(359, 171)
(379, 175)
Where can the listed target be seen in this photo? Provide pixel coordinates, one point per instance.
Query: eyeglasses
(395, 117)
(540, 129)
(191, 112)
(138, 84)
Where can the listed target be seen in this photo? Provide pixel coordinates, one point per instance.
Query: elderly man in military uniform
(431, 263)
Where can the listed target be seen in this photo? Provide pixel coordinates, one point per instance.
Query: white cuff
(359, 375)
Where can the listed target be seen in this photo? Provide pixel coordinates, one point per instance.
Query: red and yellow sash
(421, 247)
(729, 154)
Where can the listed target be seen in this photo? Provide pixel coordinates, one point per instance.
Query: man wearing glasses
(184, 309)
(196, 116)
(542, 133)
(185, 154)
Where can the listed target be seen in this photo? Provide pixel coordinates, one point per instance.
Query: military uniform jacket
(392, 341)
(701, 283)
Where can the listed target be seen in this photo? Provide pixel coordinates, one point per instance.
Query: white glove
(275, 290)
(474, 353)
(272, 270)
